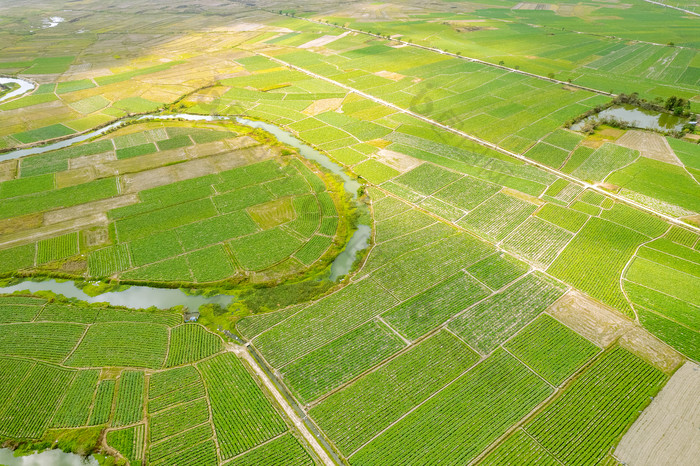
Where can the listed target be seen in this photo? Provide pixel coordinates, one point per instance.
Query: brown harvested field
(648, 347)
(605, 326)
(401, 162)
(668, 431)
(590, 318)
(650, 145)
(323, 105)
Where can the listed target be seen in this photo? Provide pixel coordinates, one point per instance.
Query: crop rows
(459, 422)
(594, 266)
(434, 306)
(332, 316)
(54, 312)
(427, 178)
(182, 441)
(419, 269)
(50, 342)
(203, 453)
(110, 314)
(243, 417)
(17, 313)
(191, 342)
(130, 394)
(313, 249)
(547, 154)
(634, 219)
(107, 261)
(28, 412)
(329, 226)
(401, 224)
(391, 250)
(57, 198)
(608, 158)
(387, 207)
(121, 344)
(551, 349)
(60, 247)
(177, 419)
(75, 408)
(498, 270)
(580, 426)
(215, 230)
(340, 360)
(567, 219)
(682, 236)
(467, 193)
(24, 186)
(285, 450)
(261, 250)
(519, 448)
(538, 241)
(18, 258)
(129, 442)
(498, 216)
(495, 319)
(102, 407)
(165, 382)
(359, 411)
(179, 394)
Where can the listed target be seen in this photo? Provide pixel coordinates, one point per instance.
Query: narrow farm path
(242, 353)
(674, 7)
(566, 176)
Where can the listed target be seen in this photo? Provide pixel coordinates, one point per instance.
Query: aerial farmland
(264, 233)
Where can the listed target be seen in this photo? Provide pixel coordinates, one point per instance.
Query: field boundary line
(476, 363)
(483, 142)
(524, 363)
(257, 446)
(626, 268)
(393, 330)
(673, 7)
(211, 414)
(312, 404)
(80, 340)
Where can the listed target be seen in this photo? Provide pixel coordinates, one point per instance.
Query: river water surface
(46, 458)
(24, 86)
(638, 118)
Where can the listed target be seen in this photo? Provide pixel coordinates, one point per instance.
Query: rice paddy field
(425, 262)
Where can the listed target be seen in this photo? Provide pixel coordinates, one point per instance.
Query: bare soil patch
(590, 318)
(401, 162)
(323, 105)
(650, 145)
(604, 326)
(90, 208)
(668, 431)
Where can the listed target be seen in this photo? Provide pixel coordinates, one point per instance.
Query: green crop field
(281, 234)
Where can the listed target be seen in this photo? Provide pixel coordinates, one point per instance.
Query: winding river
(143, 296)
(24, 87)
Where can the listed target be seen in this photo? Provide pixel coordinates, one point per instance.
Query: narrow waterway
(24, 87)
